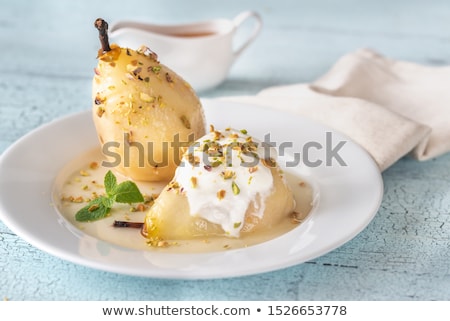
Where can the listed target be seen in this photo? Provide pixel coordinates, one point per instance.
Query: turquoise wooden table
(47, 56)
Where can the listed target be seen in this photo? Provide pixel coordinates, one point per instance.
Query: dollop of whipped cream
(222, 173)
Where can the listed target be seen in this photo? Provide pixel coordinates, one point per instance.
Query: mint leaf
(127, 192)
(107, 202)
(95, 210)
(110, 183)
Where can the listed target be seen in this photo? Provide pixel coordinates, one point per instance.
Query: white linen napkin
(391, 108)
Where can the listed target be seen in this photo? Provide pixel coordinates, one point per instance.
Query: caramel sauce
(79, 181)
(191, 34)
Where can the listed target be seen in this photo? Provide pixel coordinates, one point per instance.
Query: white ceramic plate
(349, 197)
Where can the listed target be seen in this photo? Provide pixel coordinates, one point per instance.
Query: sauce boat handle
(239, 20)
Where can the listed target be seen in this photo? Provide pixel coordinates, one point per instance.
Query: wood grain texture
(47, 60)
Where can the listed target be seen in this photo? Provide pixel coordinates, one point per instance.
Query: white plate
(349, 198)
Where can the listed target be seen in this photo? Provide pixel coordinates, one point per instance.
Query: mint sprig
(125, 192)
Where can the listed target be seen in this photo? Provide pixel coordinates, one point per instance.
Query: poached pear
(145, 114)
(227, 184)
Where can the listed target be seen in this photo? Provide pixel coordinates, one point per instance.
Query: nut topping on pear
(144, 113)
(228, 184)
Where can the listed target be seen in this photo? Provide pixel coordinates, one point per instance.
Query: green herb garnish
(125, 192)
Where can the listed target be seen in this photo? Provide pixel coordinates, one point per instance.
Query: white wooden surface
(47, 54)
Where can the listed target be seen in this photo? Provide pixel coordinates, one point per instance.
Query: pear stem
(102, 27)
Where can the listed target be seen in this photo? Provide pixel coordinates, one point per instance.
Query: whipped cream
(224, 172)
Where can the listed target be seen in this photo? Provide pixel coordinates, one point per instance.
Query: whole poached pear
(145, 114)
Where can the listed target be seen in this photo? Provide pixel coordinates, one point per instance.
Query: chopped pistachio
(169, 78)
(99, 100)
(221, 194)
(269, 162)
(137, 71)
(217, 135)
(93, 165)
(93, 208)
(216, 163)
(228, 174)
(140, 207)
(235, 188)
(173, 185)
(253, 169)
(146, 51)
(100, 111)
(193, 160)
(146, 97)
(194, 182)
(296, 218)
(185, 122)
(155, 69)
(214, 150)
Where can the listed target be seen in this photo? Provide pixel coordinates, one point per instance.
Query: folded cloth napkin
(391, 108)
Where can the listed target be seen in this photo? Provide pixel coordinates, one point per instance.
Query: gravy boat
(201, 52)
